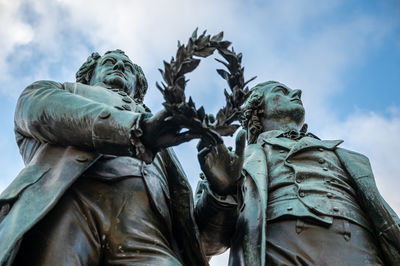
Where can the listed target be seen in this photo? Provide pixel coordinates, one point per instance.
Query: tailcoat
(62, 129)
(249, 243)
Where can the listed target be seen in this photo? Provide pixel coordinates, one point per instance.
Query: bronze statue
(86, 195)
(301, 200)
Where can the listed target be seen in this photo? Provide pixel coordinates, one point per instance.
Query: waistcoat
(309, 182)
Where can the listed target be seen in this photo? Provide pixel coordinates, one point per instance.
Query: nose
(296, 94)
(119, 65)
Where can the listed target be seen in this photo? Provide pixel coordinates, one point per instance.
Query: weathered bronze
(86, 195)
(300, 200)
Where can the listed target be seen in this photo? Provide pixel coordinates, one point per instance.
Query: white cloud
(301, 43)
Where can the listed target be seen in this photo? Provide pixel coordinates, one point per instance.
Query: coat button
(81, 158)
(122, 93)
(127, 99)
(299, 179)
(127, 107)
(335, 209)
(289, 208)
(329, 195)
(302, 194)
(320, 149)
(119, 108)
(104, 114)
(321, 161)
(325, 169)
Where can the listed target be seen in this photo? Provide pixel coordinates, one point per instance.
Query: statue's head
(271, 101)
(114, 69)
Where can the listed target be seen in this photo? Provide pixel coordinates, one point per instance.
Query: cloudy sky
(344, 55)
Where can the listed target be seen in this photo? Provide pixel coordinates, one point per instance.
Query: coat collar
(272, 138)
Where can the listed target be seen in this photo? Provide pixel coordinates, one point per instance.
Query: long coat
(59, 141)
(249, 243)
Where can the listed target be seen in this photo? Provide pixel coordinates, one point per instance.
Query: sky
(344, 55)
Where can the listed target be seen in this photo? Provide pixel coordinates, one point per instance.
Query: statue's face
(115, 70)
(283, 103)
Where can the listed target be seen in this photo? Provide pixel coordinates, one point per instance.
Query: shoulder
(45, 83)
(353, 154)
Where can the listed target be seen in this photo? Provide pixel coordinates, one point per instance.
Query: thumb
(240, 143)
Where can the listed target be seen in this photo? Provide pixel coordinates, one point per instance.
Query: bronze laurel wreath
(173, 89)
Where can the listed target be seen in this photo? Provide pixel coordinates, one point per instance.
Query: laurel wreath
(173, 87)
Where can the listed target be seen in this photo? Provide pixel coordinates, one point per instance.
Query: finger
(240, 143)
(202, 143)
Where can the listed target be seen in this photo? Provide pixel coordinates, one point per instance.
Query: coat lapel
(252, 218)
(306, 143)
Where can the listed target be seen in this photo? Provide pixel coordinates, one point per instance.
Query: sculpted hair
(253, 112)
(85, 72)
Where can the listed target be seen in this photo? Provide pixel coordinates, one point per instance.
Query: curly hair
(253, 111)
(85, 73)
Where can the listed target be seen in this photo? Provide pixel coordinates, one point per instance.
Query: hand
(163, 130)
(221, 166)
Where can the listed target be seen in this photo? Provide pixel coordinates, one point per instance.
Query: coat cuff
(118, 132)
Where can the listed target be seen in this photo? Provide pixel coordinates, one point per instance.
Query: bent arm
(49, 112)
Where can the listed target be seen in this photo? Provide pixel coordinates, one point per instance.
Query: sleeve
(49, 113)
(216, 218)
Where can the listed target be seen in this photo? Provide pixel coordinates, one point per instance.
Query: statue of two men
(102, 187)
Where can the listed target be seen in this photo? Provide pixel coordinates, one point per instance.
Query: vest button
(321, 161)
(302, 194)
(104, 114)
(127, 107)
(81, 159)
(127, 99)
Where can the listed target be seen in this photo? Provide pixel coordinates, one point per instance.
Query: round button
(329, 195)
(325, 169)
(289, 208)
(299, 179)
(302, 194)
(104, 114)
(122, 93)
(116, 90)
(127, 99)
(81, 158)
(127, 107)
(321, 161)
(119, 107)
(335, 209)
(320, 149)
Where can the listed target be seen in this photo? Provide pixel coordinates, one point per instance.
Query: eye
(281, 90)
(108, 61)
(129, 66)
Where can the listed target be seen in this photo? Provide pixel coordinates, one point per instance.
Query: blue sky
(344, 55)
